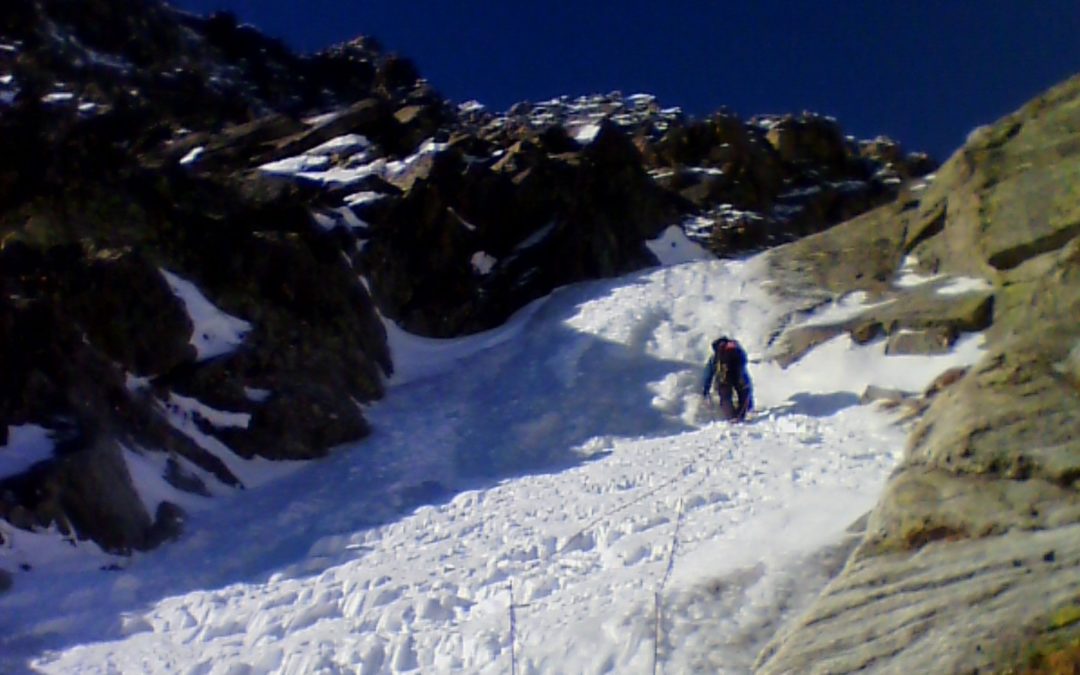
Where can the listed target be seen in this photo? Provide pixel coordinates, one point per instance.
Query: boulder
(371, 117)
(93, 488)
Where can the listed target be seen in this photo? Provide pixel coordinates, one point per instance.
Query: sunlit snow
(192, 156)
(213, 331)
(909, 277)
(562, 470)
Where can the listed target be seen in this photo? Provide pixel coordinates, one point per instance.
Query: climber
(726, 370)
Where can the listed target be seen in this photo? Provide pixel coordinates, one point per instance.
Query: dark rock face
(156, 166)
(590, 209)
(971, 559)
(96, 343)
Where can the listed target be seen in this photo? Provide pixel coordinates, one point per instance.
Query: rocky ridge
(202, 232)
(971, 560)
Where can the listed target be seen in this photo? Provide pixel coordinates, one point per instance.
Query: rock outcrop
(971, 560)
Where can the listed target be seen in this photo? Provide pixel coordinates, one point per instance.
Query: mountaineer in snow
(726, 370)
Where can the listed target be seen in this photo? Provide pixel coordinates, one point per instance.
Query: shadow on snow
(536, 403)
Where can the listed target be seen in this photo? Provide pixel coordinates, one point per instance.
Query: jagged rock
(370, 116)
(151, 160)
(168, 524)
(93, 204)
(808, 138)
(886, 152)
(126, 308)
(93, 489)
(589, 210)
(395, 73)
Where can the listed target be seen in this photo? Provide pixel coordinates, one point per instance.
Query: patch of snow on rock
(361, 198)
(58, 97)
(673, 247)
(192, 156)
(962, 285)
(221, 419)
(27, 445)
(213, 331)
(341, 145)
(295, 165)
(587, 133)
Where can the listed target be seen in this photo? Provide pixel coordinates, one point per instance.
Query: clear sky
(922, 71)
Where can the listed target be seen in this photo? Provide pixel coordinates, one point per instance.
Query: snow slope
(551, 497)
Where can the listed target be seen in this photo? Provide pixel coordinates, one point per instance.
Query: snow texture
(27, 445)
(317, 165)
(553, 495)
(213, 331)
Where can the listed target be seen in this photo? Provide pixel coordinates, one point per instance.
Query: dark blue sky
(922, 71)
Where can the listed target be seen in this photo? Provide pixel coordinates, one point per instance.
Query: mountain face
(970, 562)
(202, 233)
(199, 231)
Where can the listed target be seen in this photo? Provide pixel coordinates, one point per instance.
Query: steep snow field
(549, 497)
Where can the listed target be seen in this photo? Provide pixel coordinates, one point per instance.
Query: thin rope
(513, 632)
